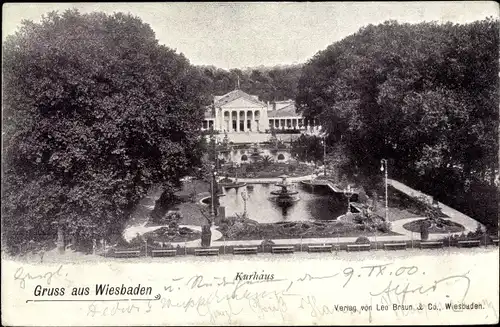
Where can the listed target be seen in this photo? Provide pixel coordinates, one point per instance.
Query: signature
(22, 276)
(220, 300)
(402, 290)
(112, 310)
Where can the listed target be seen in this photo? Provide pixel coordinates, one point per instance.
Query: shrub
(384, 226)
(244, 157)
(168, 245)
(173, 224)
(267, 242)
(138, 240)
(362, 197)
(281, 156)
(362, 240)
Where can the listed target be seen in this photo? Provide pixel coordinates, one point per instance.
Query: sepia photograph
(250, 163)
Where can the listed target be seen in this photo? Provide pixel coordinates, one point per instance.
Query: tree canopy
(270, 84)
(425, 96)
(95, 113)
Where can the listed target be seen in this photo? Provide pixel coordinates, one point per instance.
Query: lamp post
(383, 167)
(217, 145)
(324, 156)
(236, 166)
(212, 193)
(348, 193)
(244, 196)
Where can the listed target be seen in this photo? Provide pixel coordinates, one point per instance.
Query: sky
(238, 35)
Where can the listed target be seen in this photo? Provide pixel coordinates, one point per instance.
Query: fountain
(256, 150)
(285, 197)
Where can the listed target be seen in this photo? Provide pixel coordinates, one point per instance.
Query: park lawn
(300, 229)
(251, 170)
(163, 235)
(448, 227)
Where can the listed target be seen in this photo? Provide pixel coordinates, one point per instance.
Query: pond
(318, 204)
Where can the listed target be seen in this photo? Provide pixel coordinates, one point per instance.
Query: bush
(139, 240)
(362, 240)
(267, 242)
(281, 156)
(383, 226)
(362, 197)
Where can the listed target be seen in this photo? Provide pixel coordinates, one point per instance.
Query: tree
(425, 96)
(269, 83)
(267, 161)
(308, 148)
(96, 113)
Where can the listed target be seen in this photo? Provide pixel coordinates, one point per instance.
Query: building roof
(233, 95)
(209, 113)
(288, 111)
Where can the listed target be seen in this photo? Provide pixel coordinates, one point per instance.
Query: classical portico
(239, 112)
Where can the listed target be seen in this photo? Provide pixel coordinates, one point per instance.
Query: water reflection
(320, 204)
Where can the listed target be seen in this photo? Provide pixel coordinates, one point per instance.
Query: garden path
(273, 179)
(469, 223)
(397, 226)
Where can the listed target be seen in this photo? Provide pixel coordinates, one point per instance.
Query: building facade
(239, 112)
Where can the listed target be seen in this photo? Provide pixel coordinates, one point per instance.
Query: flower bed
(168, 234)
(438, 227)
(241, 230)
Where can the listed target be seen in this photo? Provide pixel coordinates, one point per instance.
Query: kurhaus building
(239, 112)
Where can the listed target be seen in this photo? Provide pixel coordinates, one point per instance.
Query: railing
(206, 251)
(127, 253)
(358, 247)
(431, 244)
(164, 253)
(320, 248)
(468, 244)
(283, 249)
(245, 250)
(395, 246)
(311, 248)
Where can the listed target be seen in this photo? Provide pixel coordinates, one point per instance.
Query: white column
(237, 121)
(216, 119)
(245, 127)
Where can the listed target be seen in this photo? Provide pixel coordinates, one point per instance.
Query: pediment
(241, 103)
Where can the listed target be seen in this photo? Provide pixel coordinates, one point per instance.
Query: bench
(468, 244)
(358, 247)
(495, 241)
(395, 246)
(431, 244)
(127, 253)
(163, 253)
(319, 248)
(248, 250)
(282, 249)
(208, 251)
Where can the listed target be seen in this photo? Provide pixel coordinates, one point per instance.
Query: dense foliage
(308, 148)
(95, 113)
(425, 96)
(275, 83)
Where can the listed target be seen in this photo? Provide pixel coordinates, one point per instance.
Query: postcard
(258, 163)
